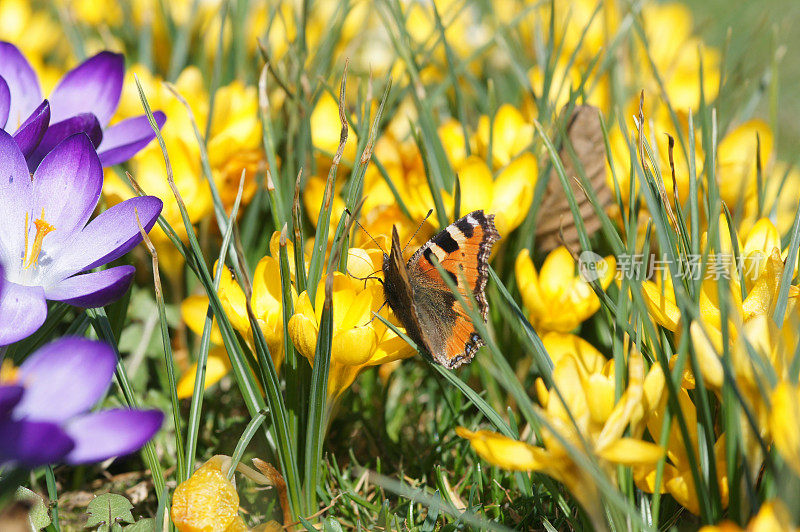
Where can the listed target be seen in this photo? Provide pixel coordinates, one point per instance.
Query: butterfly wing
(398, 292)
(463, 250)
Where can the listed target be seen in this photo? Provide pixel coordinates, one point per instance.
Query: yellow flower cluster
(583, 421)
(504, 188)
(359, 340)
(585, 416)
(233, 145)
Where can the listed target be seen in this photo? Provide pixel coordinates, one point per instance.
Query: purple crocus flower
(45, 242)
(84, 101)
(44, 409)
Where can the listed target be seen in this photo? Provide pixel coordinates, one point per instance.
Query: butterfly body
(431, 314)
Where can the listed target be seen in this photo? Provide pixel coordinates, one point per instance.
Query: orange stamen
(42, 230)
(8, 372)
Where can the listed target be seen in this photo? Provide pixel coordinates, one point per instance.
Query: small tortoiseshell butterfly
(432, 316)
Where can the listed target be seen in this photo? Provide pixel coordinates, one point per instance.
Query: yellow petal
(661, 306)
(193, 312)
(601, 390)
(502, 451)
(559, 345)
(737, 159)
(645, 477)
(452, 135)
(513, 191)
(218, 366)
(773, 516)
(782, 420)
(510, 134)
(528, 281)
(557, 274)
(303, 332)
(763, 236)
(353, 347)
(234, 303)
(763, 296)
(632, 452)
(360, 264)
(707, 356)
(357, 311)
(326, 127)
(267, 292)
(681, 487)
(476, 184)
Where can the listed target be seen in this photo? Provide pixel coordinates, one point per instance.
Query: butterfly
(431, 314)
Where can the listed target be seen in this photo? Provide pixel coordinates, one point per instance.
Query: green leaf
(38, 517)
(142, 525)
(331, 525)
(107, 510)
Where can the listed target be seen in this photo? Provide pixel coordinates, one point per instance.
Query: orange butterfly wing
(462, 250)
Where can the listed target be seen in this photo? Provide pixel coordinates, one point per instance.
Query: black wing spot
(465, 227)
(445, 241)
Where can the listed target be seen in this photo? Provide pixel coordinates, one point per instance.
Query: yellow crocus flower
(557, 297)
(783, 416)
(510, 133)
(233, 145)
(586, 387)
(772, 517)
(737, 157)
(359, 341)
(267, 304)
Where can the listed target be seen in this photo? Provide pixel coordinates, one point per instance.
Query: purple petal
(94, 87)
(64, 378)
(109, 236)
(10, 394)
(30, 133)
(122, 141)
(84, 123)
(66, 186)
(5, 102)
(33, 443)
(96, 289)
(22, 84)
(23, 309)
(15, 193)
(101, 435)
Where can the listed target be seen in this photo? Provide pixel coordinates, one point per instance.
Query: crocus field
(197, 207)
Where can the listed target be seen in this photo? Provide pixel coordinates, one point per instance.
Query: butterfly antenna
(375, 314)
(365, 231)
(418, 228)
